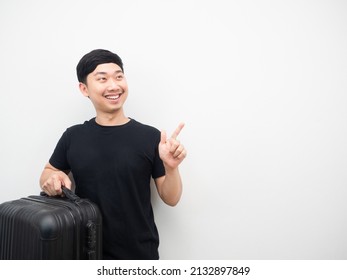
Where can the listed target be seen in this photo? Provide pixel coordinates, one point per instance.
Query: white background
(261, 86)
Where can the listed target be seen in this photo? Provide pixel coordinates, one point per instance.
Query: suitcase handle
(70, 194)
(67, 192)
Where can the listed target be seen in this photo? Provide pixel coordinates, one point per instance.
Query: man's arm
(172, 153)
(170, 187)
(52, 179)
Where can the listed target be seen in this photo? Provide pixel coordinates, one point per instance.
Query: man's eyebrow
(100, 73)
(105, 73)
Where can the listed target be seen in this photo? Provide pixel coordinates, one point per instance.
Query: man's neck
(111, 119)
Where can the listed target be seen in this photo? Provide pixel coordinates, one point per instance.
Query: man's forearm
(170, 190)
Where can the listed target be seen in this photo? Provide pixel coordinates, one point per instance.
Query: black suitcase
(50, 228)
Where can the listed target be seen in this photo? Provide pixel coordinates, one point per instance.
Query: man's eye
(119, 77)
(101, 79)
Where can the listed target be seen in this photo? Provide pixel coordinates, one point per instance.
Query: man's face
(106, 87)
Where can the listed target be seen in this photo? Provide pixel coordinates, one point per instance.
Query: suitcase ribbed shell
(50, 228)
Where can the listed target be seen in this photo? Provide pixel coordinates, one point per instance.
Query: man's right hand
(52, 179)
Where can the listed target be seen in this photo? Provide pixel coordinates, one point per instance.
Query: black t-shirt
(112, 166)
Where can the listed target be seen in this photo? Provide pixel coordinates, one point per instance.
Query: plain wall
(261, 86)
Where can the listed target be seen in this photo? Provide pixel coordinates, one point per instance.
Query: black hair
(91, 60)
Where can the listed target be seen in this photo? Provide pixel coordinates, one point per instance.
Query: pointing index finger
(177, 131)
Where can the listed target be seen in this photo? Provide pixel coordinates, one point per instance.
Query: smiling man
(112, 158)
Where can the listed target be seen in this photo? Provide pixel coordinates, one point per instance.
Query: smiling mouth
(113, 96)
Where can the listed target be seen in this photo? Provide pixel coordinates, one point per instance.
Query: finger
(163, 137)
(177, 131)
(48, 186)
(178, 151)
(45, 189)
(57, 185)
(174, 144)
(67, 182)
(182, 155)
(64, 180)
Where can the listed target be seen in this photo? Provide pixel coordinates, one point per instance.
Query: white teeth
(112, 97)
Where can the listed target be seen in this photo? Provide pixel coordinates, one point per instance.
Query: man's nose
(112, 85)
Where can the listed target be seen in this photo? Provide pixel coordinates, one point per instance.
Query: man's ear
(84, 89)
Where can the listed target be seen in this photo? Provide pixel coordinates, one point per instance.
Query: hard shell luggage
(50, 228)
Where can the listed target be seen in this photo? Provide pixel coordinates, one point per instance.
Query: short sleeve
(158, 166)
(59, 157)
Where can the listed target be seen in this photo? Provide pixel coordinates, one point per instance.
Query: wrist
(170, 170)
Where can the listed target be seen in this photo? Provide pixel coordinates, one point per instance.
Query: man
(112, 158)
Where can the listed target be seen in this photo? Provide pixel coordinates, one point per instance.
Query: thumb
(163, 137)
(65, 181)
